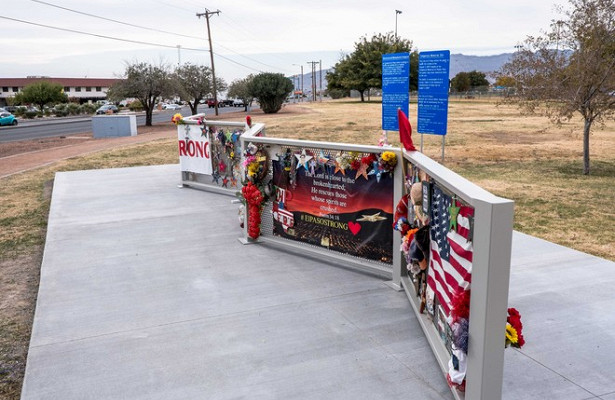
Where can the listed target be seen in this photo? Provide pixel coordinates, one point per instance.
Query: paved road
(37, 129)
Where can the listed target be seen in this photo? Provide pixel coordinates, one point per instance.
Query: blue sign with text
(433, 91)
(395, 81)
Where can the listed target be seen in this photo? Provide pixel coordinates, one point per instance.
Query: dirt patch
(19, 287)
(22, 156)
(504, 137)
(26, 146)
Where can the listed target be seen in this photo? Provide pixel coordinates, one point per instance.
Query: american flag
(450, 268)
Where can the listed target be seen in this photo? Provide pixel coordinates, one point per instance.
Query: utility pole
(320, 77)
(206, 14)
(179, 57)
(313, 79)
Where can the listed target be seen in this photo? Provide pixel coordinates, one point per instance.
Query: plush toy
(420, 247)
(416, 197)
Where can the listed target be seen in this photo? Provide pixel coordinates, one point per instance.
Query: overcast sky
(248, 36)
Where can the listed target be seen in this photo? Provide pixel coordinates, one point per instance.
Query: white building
(79, 89)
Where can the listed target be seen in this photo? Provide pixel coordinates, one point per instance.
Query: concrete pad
(566, 301)
(146, 293)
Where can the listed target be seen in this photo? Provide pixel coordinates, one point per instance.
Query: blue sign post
(395, 82)
(434, 69)
(433, 91)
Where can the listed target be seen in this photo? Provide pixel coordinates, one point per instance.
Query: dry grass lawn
(524, 158)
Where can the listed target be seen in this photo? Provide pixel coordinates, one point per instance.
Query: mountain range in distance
(459, 63)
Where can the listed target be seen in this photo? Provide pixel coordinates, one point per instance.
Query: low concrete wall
(114, 125)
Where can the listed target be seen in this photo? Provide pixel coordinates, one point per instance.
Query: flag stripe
(450, 268)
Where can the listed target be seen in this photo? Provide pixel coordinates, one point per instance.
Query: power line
(99, 36)
(158, 30)
(125, 40)
(249, 58)
(114, 20)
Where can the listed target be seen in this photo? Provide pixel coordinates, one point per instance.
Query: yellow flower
(511, 334)
(389, 156)
(253, 168)
(177, 118)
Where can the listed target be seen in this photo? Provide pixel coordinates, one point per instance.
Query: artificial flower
(514, 319)
(177, 119)
(387, 161)
(511, 335)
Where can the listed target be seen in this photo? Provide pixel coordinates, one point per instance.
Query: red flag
(405, 131)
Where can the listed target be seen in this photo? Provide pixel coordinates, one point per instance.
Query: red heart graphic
(354, 227)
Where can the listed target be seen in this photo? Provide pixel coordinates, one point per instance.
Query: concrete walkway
(146, 293)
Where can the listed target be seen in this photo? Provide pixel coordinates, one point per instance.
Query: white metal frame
(492, 239)
(273, 146)
(254, 130)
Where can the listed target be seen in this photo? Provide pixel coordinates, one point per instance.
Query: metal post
(489, 301)
(398, 192)
(397, 12)
(320, 78)
(443, 136)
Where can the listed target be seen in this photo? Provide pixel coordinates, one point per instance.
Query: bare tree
(146, 82)
(240, 89)
(195, 83)
(571, 68)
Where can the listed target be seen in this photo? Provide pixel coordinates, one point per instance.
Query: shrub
(338, 93)
(73, 109)
(271, 90)
(135, 106)
(89, 108)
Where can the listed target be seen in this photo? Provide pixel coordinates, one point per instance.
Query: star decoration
(303, 159)
(215, 177)
(362, 171)
(338, 168)
(453, 211)
(225, 181)
(322, 158)
(233, 182)
(222, 166)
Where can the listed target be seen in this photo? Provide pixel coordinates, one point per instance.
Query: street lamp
(397, 12)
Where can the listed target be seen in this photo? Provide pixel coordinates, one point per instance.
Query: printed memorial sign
(194, 149)
(343, 203)
(433, 91)
(395, 84)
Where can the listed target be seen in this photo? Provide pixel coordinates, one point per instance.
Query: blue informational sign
(395, 81)
(433, 91)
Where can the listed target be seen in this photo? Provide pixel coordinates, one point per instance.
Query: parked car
(106, 109)
(10, 109)
(6, 118)
(227, 103)
(171, 107)
(238, 103)
(211, 103)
